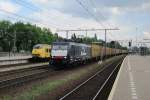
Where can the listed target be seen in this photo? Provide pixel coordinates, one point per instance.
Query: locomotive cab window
(37, 47)
(60, 47)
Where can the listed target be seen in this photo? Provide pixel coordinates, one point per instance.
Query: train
(65, 53)
(41, 52)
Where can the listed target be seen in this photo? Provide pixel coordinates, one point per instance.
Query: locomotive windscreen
(59, 49)
(38, 46)
(60, 46)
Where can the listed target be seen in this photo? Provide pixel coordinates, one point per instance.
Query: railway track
(13, 65)
(23, 78)
(21, 68)
(20, 75)
(97, 87)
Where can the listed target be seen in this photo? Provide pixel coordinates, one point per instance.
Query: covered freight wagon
(96, 50)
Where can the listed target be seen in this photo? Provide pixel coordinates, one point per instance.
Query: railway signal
(130, 44)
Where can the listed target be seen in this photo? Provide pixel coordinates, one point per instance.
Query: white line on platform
(132, 83)
(133, 90)
(134, 98)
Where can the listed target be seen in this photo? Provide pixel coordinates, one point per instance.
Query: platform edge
(110, 97)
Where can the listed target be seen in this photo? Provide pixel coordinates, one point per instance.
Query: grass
(44, 88)
(38, 90)
(6, 98)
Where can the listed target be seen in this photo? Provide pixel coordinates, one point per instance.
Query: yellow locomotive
(41, 52)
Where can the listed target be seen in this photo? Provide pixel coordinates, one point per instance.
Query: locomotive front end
(59, 53)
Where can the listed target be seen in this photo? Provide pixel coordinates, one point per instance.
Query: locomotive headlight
(65, 57)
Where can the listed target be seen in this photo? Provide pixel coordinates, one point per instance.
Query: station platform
(133, 79)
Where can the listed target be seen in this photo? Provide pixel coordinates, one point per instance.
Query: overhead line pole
(106, 37)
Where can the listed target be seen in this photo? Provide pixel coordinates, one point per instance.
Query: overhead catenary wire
(38, 9)
(35, 7)
(27, 5)
(93, 15)
(19, 16)
(22, 2)
(27, 18)
(88, 11)
(99, 12)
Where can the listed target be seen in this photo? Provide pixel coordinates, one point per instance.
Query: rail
(97, 81)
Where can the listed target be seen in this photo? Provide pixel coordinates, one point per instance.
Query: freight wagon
(96, 50)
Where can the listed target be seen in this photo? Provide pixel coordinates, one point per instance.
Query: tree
(27, 35)
(73, 37)
(4, 35)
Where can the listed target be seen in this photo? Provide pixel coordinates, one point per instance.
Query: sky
(130, 16)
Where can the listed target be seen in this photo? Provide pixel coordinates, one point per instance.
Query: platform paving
(133, 79)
